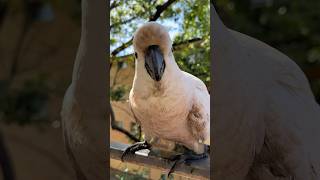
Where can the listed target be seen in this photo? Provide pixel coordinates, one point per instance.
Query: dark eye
(136, 55)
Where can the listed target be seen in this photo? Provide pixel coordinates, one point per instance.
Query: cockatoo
(266, 120)
(83, 114)
(167, 102)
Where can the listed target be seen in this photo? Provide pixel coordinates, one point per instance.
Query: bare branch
(183, 43)
(175, 46)
(154, 17)
(160, 10)
(115, 126)
(122, 22)
(114, 4)
(123, 109)
(122, 47)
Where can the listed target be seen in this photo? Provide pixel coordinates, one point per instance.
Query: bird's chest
(159, 116)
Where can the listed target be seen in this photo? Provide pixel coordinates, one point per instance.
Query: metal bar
(197, 169)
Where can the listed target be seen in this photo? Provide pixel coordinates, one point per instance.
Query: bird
(265, 117)
(84, 127)
(167, 102)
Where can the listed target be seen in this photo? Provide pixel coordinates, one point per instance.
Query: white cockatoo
(266, 120)
(167, 102)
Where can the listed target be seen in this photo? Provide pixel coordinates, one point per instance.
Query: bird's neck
(222, 37)
(91, 45)
(226, 50)
(229, 73)
(89, 73)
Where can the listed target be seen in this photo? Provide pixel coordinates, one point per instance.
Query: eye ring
(136, 55)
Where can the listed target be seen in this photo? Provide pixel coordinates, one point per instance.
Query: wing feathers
(198, 123)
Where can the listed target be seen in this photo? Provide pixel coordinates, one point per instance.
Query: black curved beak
(154, 62)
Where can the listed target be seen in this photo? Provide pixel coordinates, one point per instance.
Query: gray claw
(135, 147)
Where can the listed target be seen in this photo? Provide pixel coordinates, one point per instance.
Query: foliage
(187, 20)
(291, 26)
(136, 130)
(134, 174)
(27, 104)
(164, 177)
(188, 23)
(118, 93)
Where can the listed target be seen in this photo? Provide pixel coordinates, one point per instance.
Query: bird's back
(291, 114)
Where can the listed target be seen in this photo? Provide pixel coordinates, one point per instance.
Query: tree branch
(175, 46)
(160, 10)
(115, 126)
(121, 48)
(122, 22)
(182, 43)
(154, 17)
(114, 4)
(123, 109)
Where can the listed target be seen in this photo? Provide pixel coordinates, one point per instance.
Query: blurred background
(39, 40)
(188, 23)
(38, 44)
(291, 26)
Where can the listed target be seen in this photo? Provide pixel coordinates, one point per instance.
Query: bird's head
(152, 46)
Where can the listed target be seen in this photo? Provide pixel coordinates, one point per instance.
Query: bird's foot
(134, 148)
(188, 157)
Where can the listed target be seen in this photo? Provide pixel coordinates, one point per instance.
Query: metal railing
(199, 169)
